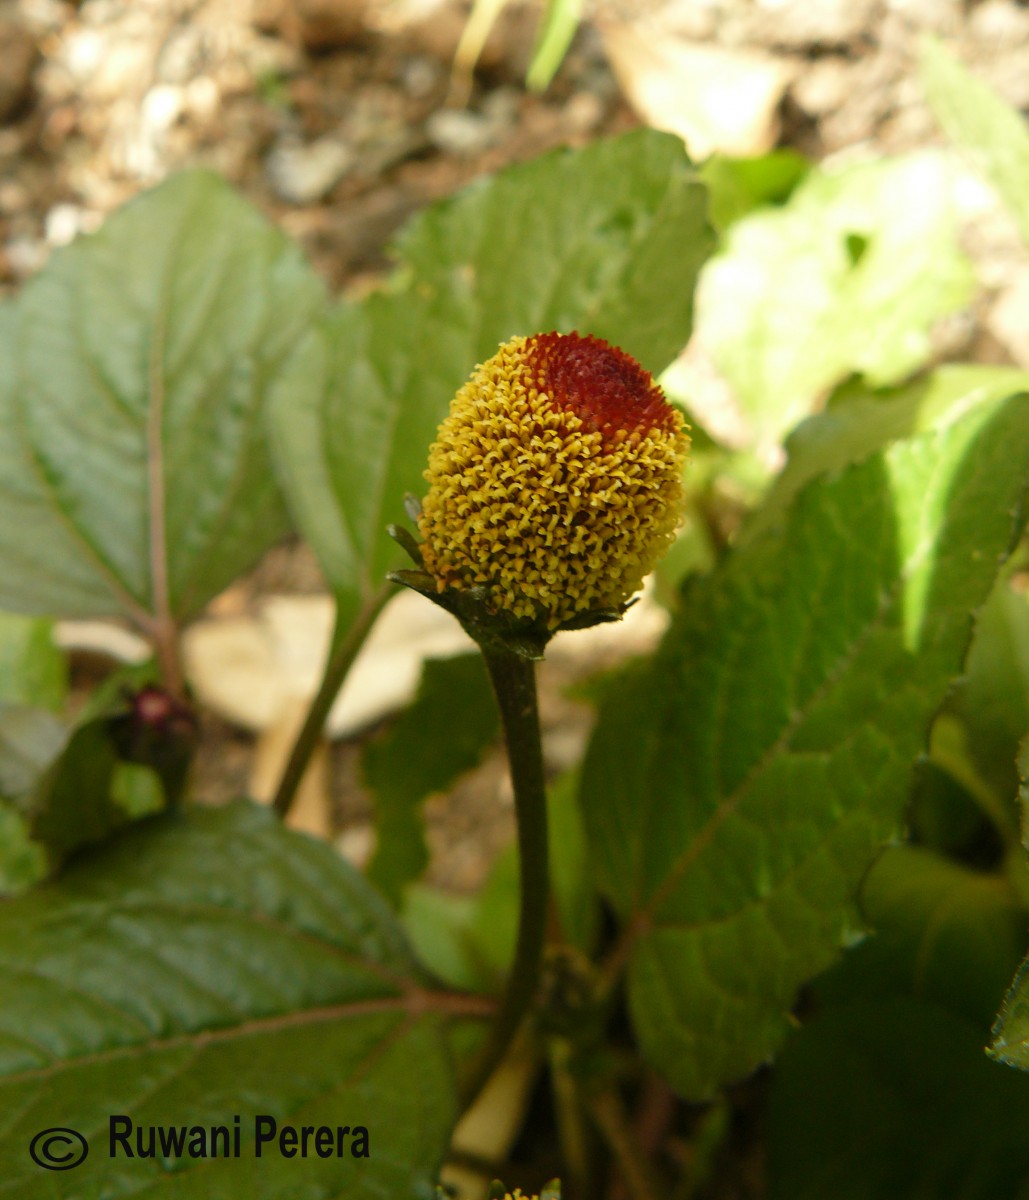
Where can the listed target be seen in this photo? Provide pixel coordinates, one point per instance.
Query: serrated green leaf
(738, 787)
(33, 671)
(858, 421)
(134, 478)
(992, 698)
(895, 1100)
(443, 734)
(846, 278)
(981, 125)
(607, 240)
(208, 964)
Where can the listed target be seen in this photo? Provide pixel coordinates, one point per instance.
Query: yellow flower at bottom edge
(555, 483)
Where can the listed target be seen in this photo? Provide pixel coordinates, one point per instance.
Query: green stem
(346, 642)
(613, 1122)
(514, 683)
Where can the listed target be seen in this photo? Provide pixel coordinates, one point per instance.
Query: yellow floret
(552, 518)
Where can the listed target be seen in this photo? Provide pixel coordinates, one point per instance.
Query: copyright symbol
(58, 1149)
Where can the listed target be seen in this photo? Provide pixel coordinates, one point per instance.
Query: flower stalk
(514, 683)
(555, 484)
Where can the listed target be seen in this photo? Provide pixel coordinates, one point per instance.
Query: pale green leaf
(847, 278)
(209, 964)
(134, 478)
(981, 125)
(858, 421)
(737, 788)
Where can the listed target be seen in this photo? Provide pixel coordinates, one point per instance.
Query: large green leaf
(134, 478)
(847, 278)
(859, 420)
(943, 934)
(887, 1094)
(981, 125)
(608, 240)
(893, 1099)
(208, 964)
(739, 786)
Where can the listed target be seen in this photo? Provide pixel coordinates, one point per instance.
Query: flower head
(555, 483)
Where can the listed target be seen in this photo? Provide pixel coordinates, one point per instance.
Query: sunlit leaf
(737, 789)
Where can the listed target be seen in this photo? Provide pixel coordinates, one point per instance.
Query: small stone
(25, 255)
(420, 76)
(822, 87)
(460, 131)
(304, 173)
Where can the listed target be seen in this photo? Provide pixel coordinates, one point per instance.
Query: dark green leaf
(1011, 1031)
(739, 185)
(89, 789)
(893, 1099)
(981, 125)
(608, 240)
(30, 740)
(992, 700)
(942, 934)
(205, 964)
(443, 734)
(738, 788)
(134, 479)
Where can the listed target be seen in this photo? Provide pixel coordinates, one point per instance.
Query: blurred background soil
(341, 118)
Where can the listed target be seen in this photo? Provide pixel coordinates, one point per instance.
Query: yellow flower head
(555, 483)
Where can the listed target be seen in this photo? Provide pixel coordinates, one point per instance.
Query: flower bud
(555, 484)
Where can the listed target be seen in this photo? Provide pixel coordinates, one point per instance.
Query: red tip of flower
(605, 388)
